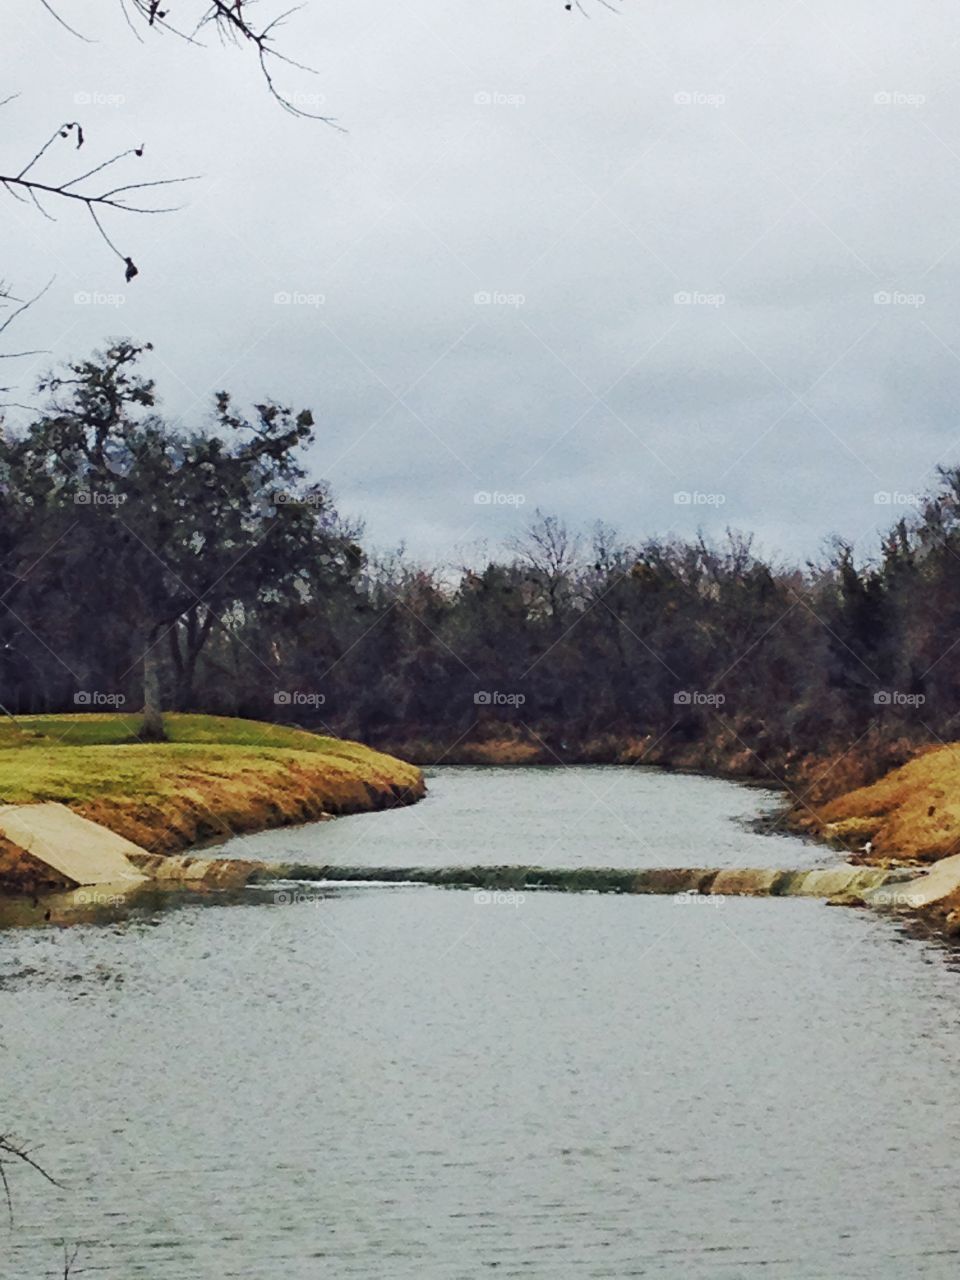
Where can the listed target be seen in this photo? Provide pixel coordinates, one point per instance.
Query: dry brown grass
(216, 777)
(912, 812)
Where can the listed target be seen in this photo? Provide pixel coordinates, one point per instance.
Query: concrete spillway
(49, 843)
(825, 882)
(47, 846)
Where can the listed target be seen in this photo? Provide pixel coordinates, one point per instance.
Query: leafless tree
(94, 187)
(553, 554)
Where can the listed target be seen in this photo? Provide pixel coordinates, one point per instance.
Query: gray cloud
(782, 168)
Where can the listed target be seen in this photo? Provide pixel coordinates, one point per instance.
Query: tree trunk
(177, 660)
(186, 695)
(185, 655)
(152, 730)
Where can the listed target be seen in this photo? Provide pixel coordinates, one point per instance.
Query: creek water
(601, 816)
(413, 1082)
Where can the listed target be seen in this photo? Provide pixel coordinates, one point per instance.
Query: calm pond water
(399, 1083)
(601, 816)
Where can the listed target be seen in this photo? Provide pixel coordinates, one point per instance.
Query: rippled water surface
(394, 1083)
(555, 817)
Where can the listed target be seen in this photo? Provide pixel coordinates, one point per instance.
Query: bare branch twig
(230, 17)
(12, 1150)
(26, 188)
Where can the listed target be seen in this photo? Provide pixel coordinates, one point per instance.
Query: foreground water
(413, 1083)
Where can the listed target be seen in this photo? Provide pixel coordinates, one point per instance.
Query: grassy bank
(912, 812)
(216, 775)
(884, 790)
(529, 747)
(739, 752)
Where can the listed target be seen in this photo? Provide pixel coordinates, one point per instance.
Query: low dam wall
(165, 879)
(46, 847)
(824, 882)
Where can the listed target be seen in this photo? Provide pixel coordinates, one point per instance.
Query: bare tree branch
(232, 20)
(21, 186)
(12, 1151)
(68, 1260)
(53, 13)
(5, 298)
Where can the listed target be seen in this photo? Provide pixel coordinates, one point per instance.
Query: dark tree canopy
(128, 524)
(156, 564)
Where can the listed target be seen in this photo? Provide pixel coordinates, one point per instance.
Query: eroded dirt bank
(216, 777)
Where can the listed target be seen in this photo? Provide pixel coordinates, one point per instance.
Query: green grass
(215, 775)
(97, 729)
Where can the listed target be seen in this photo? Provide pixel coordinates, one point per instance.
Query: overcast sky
(778, 165)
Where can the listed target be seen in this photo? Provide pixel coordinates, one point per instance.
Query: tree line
(147, 566)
